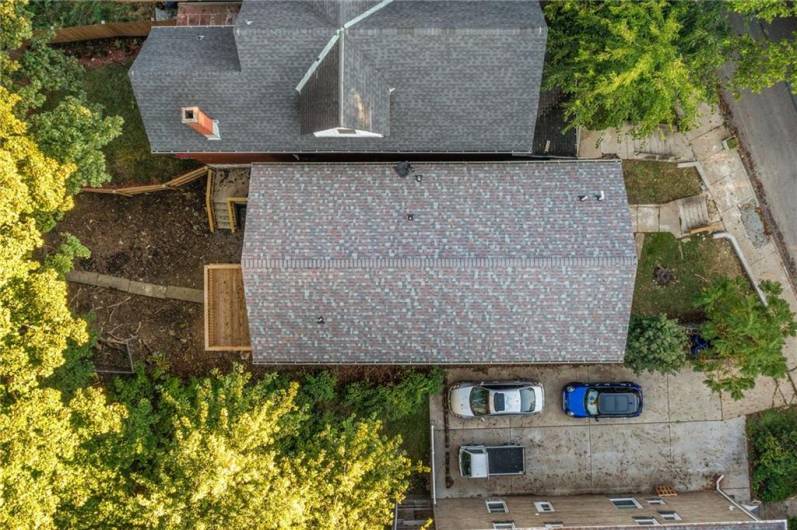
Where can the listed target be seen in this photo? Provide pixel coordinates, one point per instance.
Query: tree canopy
(746, 337)
(225, 451)
(650, 63)
(647, 62)
(762, 62)
(655, 344)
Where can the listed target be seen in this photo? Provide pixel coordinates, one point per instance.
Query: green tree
(45, 437)
(224, 451)
(655, 344)
(746, 337)
(646, 62)
(762, 63)
(76, 132)
(51, 99)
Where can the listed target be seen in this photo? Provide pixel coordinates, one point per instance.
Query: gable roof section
(344, 91)
(466, 76)
(470, 263)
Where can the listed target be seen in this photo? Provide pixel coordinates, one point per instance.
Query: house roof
(465, 75)
(479, 262)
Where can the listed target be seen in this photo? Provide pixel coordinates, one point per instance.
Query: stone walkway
(726, 180)
(140, 288)
(680, 217)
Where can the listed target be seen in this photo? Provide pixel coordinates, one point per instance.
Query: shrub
(57, 13)
(392, 402)
(746, 336)
(655, 344)
(773, 453)
(319, 388)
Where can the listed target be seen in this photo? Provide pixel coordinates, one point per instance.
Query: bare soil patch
(147, 328)
(162, 237)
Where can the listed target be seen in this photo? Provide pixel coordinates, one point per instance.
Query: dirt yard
(161, 238)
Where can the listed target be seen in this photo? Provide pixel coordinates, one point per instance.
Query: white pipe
(431, 444)
(745, 266)
(733, 502)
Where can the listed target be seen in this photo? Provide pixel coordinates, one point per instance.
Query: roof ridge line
(338, 35)
(437, 263)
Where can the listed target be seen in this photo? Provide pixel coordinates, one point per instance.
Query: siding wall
(582, 510)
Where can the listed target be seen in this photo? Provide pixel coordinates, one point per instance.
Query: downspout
(745, 266)
(733, 502)
(434, 492)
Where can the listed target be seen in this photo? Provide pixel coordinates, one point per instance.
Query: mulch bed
(97, 53)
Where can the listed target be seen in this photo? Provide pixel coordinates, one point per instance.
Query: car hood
(459, 401)
(575, 401)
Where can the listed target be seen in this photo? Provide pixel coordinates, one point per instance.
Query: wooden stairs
(412, 513)
(693, 213)
(221, 215)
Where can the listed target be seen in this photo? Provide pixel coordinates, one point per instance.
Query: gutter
(733, 502)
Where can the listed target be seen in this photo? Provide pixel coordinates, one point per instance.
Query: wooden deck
(226, 325)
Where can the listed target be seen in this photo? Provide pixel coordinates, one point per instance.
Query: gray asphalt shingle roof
(480, 262)
(466, 76)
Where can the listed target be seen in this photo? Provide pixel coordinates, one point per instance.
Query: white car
(497, 398)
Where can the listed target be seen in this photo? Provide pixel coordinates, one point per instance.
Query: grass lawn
(415, 436)
(128, 156)
(650, 182)
(695, 262)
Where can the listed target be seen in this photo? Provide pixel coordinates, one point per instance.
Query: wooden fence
(181, 180)
(138, 28)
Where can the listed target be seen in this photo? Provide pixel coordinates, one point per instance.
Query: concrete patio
(679, 440)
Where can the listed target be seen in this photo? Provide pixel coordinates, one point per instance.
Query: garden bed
(649, 182)
(693, 263)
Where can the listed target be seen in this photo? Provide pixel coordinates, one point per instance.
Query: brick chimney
(201, 122)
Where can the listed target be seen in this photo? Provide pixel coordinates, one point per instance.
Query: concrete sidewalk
(680, 439)
(726, 180)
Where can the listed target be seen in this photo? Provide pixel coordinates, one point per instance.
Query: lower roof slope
(455, 263)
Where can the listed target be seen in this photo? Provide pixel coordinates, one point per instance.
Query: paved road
(767, 125)
(680, 438)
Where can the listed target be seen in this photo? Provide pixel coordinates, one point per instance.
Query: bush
(58, 13)
(655, 344)
(773, 453)
(746, 337)
(392, 402)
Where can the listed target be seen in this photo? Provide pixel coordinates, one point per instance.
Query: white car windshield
(479, 401)
(592, 402)
(527, 400)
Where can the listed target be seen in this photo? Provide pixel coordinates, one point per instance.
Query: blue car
(602, 400)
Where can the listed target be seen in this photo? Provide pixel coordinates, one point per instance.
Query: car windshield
(466, 463)
(527, 400)
(479, 398)
(592, 402)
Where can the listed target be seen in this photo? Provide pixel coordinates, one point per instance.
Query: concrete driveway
(679, 440)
